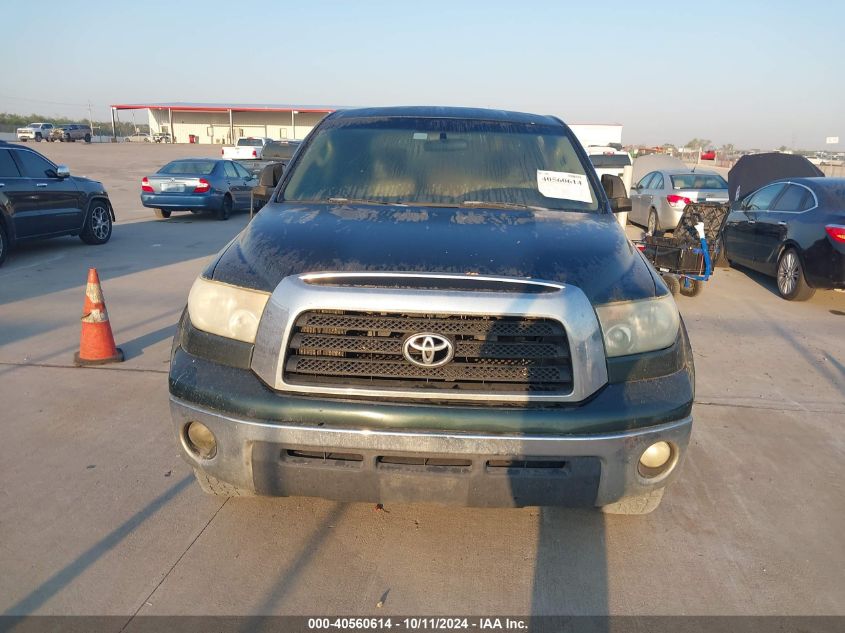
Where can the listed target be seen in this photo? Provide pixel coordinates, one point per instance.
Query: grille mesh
(364, 349)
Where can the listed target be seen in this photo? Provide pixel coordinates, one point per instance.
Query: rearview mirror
(615, 190)
(62, 171)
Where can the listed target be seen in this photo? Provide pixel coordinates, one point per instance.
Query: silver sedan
(659, 198)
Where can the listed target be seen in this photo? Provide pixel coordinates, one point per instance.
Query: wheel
(641, 504)
(695, 287)
(653, 224)
(162, 214)
(213, 486)
(4, 244)
(225, 209)
(673, 283)
(98, 225)
(87, 138)
(792, 285)
(38, 137)
(23, 140)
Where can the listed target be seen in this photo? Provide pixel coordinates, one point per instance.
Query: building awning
(223, 107)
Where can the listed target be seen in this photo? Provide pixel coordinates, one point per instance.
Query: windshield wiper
(362, 201)
(500, 205)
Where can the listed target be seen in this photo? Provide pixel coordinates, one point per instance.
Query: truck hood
(586, 250)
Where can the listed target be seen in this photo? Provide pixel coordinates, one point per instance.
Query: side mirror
(615, 190)
(62, 171)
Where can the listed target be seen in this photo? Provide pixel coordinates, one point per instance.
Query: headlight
(226, 310)
(632, 327)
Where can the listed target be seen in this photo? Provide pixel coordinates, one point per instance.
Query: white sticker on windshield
(564, 185)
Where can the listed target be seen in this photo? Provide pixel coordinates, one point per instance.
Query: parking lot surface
(99, 515)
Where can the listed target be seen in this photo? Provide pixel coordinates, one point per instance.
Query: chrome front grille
(510, 340)
(492, 353)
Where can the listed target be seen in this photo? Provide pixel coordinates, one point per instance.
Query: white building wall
(213, 127)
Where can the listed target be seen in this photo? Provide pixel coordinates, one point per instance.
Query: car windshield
(699, 181)
(610, 160)
(249, 142)
(442, 162)
(189, 167)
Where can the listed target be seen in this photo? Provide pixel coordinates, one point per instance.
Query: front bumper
(301, 456)
(209, 201)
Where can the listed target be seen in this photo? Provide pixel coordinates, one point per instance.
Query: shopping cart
(685, 260)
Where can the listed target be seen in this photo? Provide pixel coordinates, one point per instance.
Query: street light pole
(293, 123)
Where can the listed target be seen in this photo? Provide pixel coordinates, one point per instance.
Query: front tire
(38, 137)
(4, 244)
(641, 504)
(792, 285)
(161, 214)
(225, 209)
(87, 138)
(98, 224)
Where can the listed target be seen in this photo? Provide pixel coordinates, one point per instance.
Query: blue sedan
(198, 184)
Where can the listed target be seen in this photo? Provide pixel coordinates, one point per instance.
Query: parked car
(198, 184)
(247, 147)
(71, 132)
(793, 230)
(35, 132)
(709, 154)
(139, 137)
(437, 305)
(39, 199)
(659, 198)
(162, 137)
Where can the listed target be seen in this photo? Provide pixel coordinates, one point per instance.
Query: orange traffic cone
(96, 345)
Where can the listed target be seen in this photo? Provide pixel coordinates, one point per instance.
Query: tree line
(123, 128)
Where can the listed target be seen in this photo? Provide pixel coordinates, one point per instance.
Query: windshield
(699, 181)
(189, 167)
(249, 142)
(447, 162)
(610, 160)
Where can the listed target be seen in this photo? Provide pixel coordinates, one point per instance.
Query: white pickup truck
(247, 147)
(35, 132)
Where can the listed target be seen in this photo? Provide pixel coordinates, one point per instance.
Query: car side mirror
(616, 193)
(62, 171)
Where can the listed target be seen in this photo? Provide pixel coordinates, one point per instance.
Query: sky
(750, 73)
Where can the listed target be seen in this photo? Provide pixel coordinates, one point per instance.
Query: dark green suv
(39, 199)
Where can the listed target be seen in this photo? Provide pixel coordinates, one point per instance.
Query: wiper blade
(499, 205)
(362, 201)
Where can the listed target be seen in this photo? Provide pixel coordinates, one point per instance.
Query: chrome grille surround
(386, 294)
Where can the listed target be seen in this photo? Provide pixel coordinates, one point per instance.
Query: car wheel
(653, 225)
(792, 285)
(213, 486)
(162, 214)
(640, 504)
(225, 209)
(98, 225)
(4, 244)
(694, 288)
(87, 138)
(38, 137)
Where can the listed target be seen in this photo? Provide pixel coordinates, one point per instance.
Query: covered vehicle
(437, 305)
(198, 184)
(794, 230)
(755, 170)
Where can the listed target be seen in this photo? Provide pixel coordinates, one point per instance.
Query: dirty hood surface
(586, 250)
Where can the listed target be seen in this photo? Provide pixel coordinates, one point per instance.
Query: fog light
(201, 440)
(655, 459)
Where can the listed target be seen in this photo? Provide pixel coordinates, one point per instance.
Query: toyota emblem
(428, 350)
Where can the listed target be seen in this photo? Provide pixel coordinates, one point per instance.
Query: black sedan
(40, 199)
(793, 230)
